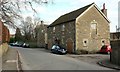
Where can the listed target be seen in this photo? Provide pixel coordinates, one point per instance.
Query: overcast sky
(51, 12)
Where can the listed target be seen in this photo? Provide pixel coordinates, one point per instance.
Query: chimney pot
(41, 22)
(104, 10)
(104, 6)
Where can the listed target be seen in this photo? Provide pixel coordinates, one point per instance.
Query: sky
(50, 12)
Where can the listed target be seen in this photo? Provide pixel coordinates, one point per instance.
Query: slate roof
(70, 16)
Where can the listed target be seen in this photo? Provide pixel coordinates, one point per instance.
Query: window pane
(63, 27)
(93, 26)
(53, 29)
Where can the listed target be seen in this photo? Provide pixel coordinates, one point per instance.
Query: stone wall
(3, 49)
(115, 54)
(115, 36)
(62, 35)
(4, 39)
(88, 37)
(41, 36)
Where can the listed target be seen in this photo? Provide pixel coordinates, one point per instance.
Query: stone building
(41, 35)
(85, 29)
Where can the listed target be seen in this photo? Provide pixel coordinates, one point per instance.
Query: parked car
(106, 49)
(19, 44)
(25, 45)
(58, 50)
(12, 44)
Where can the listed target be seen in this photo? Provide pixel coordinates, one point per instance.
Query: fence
(115, 54)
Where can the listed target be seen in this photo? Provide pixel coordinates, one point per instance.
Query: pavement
(11, 61)
(107, 63)
(98, 59)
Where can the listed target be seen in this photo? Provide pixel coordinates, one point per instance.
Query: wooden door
(49, 44)
(69, 46)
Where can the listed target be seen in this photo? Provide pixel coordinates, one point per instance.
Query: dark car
(18, 44)
(106, 49)
(58, 49)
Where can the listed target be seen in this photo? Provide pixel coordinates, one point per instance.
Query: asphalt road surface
(39, 59)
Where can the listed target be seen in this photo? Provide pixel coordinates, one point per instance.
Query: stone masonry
(85, 29)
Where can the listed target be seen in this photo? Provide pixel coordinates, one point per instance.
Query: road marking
(11, 61)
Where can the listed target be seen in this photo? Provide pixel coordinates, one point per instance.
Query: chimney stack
(104, 10)
(42, 22)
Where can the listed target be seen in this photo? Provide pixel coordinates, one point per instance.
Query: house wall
(4, 33)
(41, 35)
(63, 36)
(85, 33)
(115, 54)
(4, 39)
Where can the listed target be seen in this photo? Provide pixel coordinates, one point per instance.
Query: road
(39, 59)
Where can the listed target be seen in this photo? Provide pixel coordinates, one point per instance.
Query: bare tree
(10, 9)
(28, 27)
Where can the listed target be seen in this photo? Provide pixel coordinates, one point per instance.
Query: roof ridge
(71, 15)
(78, 9)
